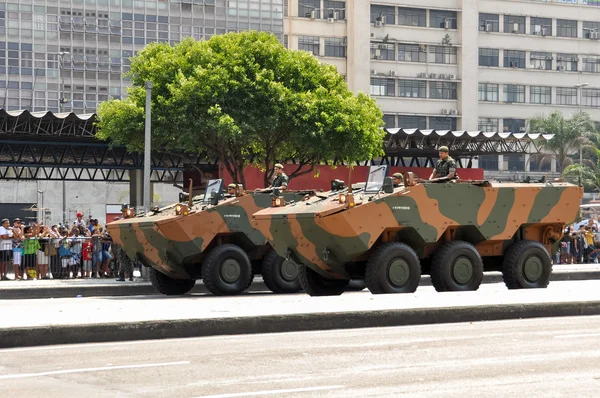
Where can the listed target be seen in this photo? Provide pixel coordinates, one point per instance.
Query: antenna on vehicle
(190, 201)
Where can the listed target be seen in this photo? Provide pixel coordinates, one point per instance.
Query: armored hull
(337, 240)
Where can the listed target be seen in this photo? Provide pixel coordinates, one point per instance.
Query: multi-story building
(460, 65)
(78, 50)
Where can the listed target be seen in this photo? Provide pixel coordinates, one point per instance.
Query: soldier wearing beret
(230, 190)
(281, 180)
(445, 167)
(398, 179)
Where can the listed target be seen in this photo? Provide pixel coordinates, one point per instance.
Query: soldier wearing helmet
(445, 168)
(398, 179)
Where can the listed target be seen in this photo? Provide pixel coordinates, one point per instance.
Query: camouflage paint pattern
(324, 234)
(170, 242)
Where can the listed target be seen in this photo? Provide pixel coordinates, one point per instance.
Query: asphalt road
(549, 357)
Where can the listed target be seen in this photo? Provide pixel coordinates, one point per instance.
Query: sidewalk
(83, 320)
(64, 288)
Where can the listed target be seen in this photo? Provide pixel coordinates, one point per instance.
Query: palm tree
(569, 135)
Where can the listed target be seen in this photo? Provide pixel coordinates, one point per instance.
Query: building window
(383, 14)
(442, 54)
(334, 9)
(513, 125)
(335, 47)
(489, 57)
(488, 162)
(488, 92)
(383, 87)
(514, 24)
(514, 93)
(566, 96)
(412, 122)
(487, 124)
(514, 162)
(442, 123)
(566, 28)
(383, 51)
(412, 53)
(541, 60)
(591, 63)
(442, 19)
(412, 16)
(390, 121)
(309, 43)
(589, 27)
(541, 26)
(514, 59)
(567, 62)
(309, 9)
(590, 97)
(442, 90)
(412, 88)
(540, 95)
(489, 22)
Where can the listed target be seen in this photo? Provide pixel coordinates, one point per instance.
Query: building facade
(78, 50)
(460, 64)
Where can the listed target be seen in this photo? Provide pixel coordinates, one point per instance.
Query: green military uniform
(445, 167)
(123, 261)
(281, 180)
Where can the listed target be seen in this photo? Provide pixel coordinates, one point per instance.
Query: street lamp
(62, 99)
(579, 88)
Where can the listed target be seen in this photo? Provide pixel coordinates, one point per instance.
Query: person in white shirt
(6, 246)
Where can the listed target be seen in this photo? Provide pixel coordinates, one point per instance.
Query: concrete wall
(89, 197)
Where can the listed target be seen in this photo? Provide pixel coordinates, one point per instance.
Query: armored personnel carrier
(209, 237)
(452, 230)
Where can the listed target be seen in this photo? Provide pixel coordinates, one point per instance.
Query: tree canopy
(245, 99)
(569, 134)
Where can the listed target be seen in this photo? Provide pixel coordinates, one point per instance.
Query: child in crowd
(76, 243)
(96, 253)
(31, 245)
(65, 254)
(17, 248)
(86, 254)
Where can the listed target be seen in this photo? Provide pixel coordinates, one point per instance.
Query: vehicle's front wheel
(280, 275)
(227, 270)
(169, 286)
(315, 285)
(393, 268)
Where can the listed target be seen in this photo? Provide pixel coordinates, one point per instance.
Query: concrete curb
(163, 329)
(144, 289)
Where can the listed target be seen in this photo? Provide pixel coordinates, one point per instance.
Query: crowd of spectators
(580, 243)
(81, 250)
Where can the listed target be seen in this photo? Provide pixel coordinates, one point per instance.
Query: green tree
(244, 99)
(569, 135)
(590, 176)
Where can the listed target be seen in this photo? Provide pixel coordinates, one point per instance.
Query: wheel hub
(462, 271)
(398, 272)
(289, 270)
(533, 268)
(230, 270)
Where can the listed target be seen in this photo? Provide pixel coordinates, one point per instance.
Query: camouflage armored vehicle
(209, 237)
(452, 230)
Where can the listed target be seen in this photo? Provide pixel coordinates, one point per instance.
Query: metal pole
(147, 149)
(61, 58)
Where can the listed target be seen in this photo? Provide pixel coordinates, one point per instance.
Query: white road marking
(271, 392)
(576, 336)
(83, 370)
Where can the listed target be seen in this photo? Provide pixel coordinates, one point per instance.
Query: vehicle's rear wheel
(280, 275)
(393, 268)
(527, 265)
(456, 266)
(169, 286)
(226, 270)
(315, 285)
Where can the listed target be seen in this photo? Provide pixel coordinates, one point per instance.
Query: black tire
(280, 275)
(315, 285)
(527, 265)
(239, 270)
(456, 266)
(393, 268)
(169, 286)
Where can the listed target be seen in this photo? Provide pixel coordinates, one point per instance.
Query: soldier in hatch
(398, 179)
(280, 182)
(230, 191)
(445, 168)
